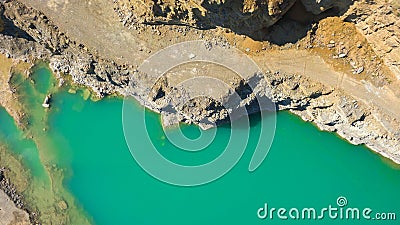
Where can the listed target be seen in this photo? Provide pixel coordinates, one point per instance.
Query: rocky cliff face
(12, 207)
(319, 6)
(66, 56)
(329, 107)
(333, 110)
(1, 25)
(241, 16)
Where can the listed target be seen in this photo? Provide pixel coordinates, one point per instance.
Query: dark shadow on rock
(277, 21)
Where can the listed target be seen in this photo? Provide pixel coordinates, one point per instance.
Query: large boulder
(1, 19)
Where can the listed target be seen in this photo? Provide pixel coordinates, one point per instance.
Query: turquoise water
(304, 168)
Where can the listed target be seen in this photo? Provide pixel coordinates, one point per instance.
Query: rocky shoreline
(347, 88)
(22, 215)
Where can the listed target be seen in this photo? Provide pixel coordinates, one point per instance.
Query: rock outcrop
(331, 108)
(1, 25)
(103, 76)
(241, 16)
(319, 6)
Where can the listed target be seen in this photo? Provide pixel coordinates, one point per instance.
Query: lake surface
(304, 168)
